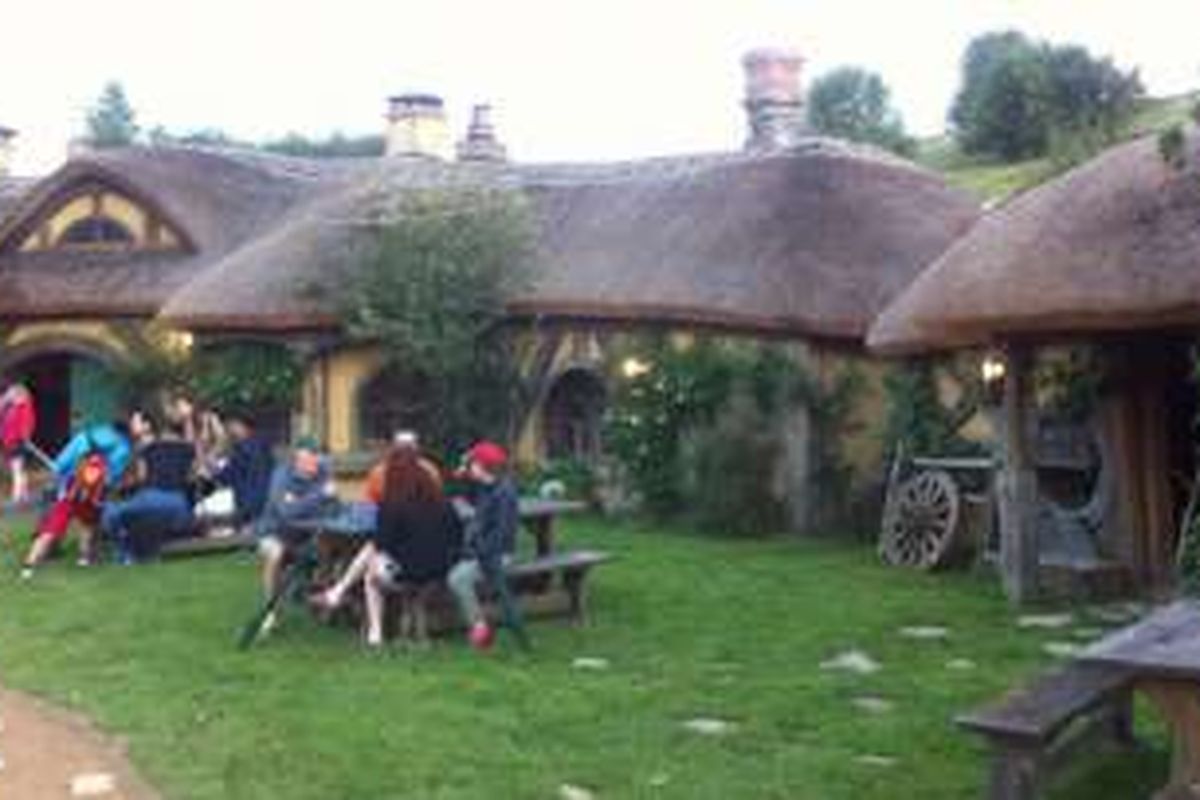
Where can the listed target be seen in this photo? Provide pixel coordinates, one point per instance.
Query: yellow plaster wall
(66, 216)
(99, 334)
(330, 395)
(136, 219)
(128, 213)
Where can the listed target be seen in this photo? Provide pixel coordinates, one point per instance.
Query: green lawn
(691, 627)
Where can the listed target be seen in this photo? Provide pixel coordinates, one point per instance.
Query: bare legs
(367, 567)
(272, 552)
(20, 481)
(374, 584)
(354, 573)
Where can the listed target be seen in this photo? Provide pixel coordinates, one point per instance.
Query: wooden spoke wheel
(919, 520)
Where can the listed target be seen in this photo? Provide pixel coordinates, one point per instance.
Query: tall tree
(855, 104)
(432, 289)
(1020, 96)
(1001, 108)
(111, 122)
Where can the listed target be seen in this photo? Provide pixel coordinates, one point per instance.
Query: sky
(569, 79)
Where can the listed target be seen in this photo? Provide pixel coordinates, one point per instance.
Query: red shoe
(481, 636)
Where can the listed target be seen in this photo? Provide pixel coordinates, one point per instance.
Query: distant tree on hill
(211, 137)
(855, 104)
(111, 121)
(1019, 96)
(335, 146)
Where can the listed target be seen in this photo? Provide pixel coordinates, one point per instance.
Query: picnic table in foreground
(538, 516)
(330, 542)
(1161, 655)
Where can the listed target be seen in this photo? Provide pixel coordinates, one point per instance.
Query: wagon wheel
(920, 520)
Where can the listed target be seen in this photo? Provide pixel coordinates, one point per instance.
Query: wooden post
(1018, 498)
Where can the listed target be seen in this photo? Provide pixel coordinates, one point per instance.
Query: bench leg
(421, 601)
(573, 584)
(1015, 775)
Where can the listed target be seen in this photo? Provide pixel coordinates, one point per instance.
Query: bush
(700, 433)
(577, 477)
(432, 290)
(730, 487)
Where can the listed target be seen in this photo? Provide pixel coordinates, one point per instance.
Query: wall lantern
(179, 342)
(993, 369)
(633, 367)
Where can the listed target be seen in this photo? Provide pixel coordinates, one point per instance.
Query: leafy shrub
(732, 474)
(700, 434)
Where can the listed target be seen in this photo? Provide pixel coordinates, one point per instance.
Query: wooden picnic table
(1161, 654)
(357, 520)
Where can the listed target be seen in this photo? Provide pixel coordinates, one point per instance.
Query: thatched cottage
(1107, 257)
(796, 237)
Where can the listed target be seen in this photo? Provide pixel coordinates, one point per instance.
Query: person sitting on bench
(491, 539)
(373, 487)
(160, 508)
(418, 538)
(301, 490)
(91, 464)
(248, 470)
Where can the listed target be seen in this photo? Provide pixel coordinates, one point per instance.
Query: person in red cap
(490, 540)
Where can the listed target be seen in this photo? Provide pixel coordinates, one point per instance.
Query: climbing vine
(700, 431)
(1188, 556)
(918, 421)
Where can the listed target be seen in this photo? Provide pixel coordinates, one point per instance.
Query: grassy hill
(994, 181)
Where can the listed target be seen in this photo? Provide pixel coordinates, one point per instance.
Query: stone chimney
(481, 143)
(7, 149)
(774, 99)
(417, 127)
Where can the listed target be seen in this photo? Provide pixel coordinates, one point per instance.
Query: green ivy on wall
(246, 375)
(699, 429)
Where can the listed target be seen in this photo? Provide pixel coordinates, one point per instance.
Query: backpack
(91, 474)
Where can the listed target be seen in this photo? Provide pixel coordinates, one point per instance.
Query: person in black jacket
(418, 538)
(248, 470)
(491, 540)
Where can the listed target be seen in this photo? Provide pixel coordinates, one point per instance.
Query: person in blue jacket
(86, 470)
(301, 490)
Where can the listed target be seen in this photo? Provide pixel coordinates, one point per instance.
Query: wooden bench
(206, 545)
(1035, 730)
(545, 586)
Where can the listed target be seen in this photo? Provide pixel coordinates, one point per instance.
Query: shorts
(272, 546)
(57, 520)
(388, 571)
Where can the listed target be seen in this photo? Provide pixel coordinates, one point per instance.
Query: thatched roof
(217, 202)
(1111, 246)
(811, 242)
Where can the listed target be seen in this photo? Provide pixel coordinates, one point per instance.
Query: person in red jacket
(18, 419)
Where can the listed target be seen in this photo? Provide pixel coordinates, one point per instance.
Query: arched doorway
(573, 415)
(71, 389)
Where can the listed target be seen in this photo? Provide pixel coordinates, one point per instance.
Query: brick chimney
(481, 143)
(417, 127)
(7, 149)
(774, 99)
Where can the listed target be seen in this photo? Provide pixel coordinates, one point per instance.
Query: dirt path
(50, 754)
